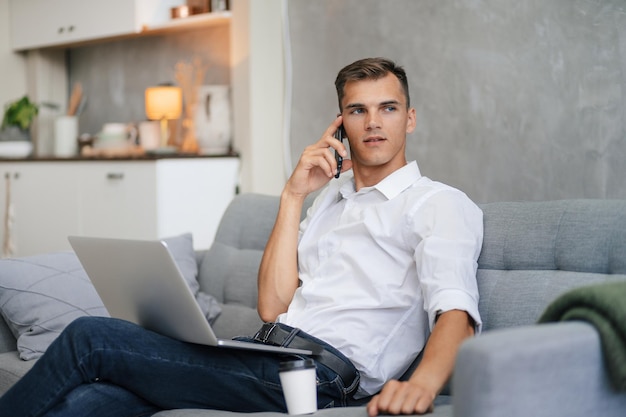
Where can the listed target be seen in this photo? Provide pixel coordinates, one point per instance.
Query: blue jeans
(103, 367)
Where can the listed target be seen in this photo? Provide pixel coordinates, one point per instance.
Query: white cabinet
(135, 199)
(44, 197)
(42, 23)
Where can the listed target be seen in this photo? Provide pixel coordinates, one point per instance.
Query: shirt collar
(390, 186)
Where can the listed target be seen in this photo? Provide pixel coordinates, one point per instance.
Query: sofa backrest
(535, 251)
(532, 252)
(228, 270)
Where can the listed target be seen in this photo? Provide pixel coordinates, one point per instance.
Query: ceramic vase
(212, 119)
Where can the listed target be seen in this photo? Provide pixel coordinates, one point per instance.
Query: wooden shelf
(194, 22)
(197, 21)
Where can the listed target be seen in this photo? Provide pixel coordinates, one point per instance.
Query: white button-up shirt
(378, 265)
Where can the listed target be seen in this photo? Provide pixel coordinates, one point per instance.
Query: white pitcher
(213, 119)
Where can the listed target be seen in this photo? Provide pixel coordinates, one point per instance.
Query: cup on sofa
(299, 386)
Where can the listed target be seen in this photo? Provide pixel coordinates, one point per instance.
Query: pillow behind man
(40, 295)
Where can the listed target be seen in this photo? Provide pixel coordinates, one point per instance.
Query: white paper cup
(299, 386)
(65, 136)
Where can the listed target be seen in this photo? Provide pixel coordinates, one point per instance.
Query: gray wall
(516, 99)
(115, 74)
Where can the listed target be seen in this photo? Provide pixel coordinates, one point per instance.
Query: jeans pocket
(331, 391)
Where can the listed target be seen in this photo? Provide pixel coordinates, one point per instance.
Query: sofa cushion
(567, 235)
(535, 251)
(181, 248)
(229, 269)
(236, 320)
(42, 294)
(237, 270)
(517, 298)
(12, 368)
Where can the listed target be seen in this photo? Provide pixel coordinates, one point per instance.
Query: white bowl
(15, 149)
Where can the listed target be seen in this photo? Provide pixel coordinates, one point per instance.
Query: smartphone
(339, 135)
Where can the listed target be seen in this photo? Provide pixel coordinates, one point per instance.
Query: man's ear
(411, 121)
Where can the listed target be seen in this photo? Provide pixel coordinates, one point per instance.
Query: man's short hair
(370, 69)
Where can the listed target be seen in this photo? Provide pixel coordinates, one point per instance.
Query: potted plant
(18, 116)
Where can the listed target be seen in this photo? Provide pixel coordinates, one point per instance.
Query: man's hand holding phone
(318, 163)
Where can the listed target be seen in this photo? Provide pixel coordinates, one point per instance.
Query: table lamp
(164, 103)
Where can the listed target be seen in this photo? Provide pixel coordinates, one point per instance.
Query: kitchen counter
(135, 157)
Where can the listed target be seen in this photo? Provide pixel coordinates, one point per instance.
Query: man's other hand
(398, 397)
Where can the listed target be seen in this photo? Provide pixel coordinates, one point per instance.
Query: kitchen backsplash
(115, 75)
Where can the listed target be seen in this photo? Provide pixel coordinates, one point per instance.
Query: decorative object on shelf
(15, 139)
(213, 119)
(18, 117)
(180, 12)
(164, 103)
(149, 135)
(66, 125)
(190, 76)
(77, 100)
(115, 140)
(116, 136)
(220, 5)
(199, 6)
(15, 149)
(192, 7)
(65, 136)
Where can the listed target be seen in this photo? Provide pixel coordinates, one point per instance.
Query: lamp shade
(164, 102)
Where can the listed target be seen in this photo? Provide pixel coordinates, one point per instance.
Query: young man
(382, 267)
(384, 255)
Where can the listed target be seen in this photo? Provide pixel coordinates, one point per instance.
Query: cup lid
(296, 365)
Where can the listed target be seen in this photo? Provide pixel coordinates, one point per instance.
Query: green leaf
(20, 113)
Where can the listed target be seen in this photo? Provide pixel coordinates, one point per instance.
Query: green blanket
(604, 306)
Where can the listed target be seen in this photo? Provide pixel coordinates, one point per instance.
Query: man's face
(376, 120)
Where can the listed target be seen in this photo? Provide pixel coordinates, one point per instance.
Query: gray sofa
(532, 253)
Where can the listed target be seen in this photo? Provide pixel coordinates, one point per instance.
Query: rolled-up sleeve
(446, 255)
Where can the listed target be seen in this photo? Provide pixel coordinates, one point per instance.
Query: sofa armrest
(546, 370)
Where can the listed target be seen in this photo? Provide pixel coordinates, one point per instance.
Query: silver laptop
(139, 281)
